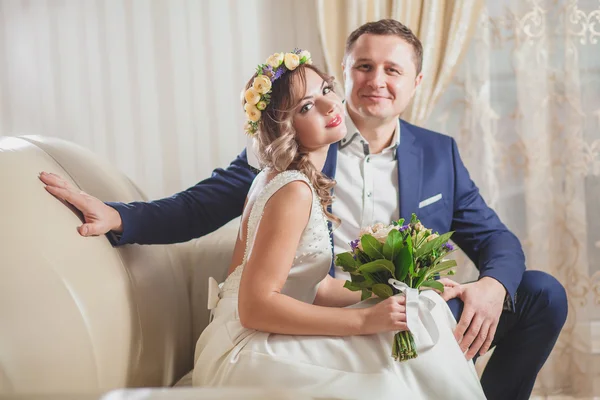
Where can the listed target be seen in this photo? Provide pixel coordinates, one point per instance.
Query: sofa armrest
(76, 314)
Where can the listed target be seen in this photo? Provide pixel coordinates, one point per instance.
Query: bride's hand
(387, 316)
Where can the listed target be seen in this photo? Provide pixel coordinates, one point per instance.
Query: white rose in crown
(252, 96)
(252, 113)
(275, 60)
(291, 61)
(262, 84)
(306, 55)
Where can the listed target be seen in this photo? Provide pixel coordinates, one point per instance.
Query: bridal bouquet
(386, 259)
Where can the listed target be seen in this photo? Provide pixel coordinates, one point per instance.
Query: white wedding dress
(349, 367)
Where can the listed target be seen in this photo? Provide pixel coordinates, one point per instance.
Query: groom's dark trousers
(524, 338)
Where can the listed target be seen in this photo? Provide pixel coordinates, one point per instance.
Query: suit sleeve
(195, 212)
(494, 249)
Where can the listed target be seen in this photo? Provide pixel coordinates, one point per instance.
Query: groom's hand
(99, 218)
(483, 301)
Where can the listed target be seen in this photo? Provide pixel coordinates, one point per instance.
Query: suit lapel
(329, 170)
(331, 162)
(410, 169)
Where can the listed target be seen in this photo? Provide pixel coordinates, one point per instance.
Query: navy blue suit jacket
(428, 164)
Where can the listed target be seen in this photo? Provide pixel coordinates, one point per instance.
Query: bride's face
(319, 116)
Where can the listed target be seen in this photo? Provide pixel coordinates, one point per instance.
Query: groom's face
(380, 76)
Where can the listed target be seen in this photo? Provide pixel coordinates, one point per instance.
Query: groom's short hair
(389, 27)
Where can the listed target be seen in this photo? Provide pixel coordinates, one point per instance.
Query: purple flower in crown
(354, 244)
(403, 228)
(279, 72)
(268, 71)
(447, 246)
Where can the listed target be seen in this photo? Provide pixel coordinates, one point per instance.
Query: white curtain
(151, 85)
(525, 110)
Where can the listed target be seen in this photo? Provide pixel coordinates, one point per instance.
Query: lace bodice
(313, 256)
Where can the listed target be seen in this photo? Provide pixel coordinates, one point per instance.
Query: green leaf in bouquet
(372, 247)
(365, 294)
(441, 267)
(357, 277)
(362, 280)
(409, 243)
(352, 286)
(362, 257)
(411, 265)
(382, 290)
(392, 245)
(422, 274)
(404, 263)
(433, 284)
(377, 266)
(442, 256)
(432, 244)
(414, 219)
(401, 222)
(370, 278)
(346, 261)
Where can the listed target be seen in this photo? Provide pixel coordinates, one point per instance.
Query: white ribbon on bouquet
(419, 320)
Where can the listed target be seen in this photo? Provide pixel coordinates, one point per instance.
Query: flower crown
(258, 96)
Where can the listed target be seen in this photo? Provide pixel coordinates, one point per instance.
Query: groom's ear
(418, 79)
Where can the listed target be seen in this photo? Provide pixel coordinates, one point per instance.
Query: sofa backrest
(76, 314)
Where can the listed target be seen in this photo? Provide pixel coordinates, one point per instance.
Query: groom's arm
(192, 213)
(494, 249)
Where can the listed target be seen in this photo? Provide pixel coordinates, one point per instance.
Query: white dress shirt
(367, 188)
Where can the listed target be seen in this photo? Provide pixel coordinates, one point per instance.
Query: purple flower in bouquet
(447, 246)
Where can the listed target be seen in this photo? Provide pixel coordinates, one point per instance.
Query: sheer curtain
(151, 85)
(525, 110)
(444, 26)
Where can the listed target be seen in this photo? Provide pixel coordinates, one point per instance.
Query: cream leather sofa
(80, 317)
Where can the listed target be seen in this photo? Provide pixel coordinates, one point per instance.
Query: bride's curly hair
(276, 143)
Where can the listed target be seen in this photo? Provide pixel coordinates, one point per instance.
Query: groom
(385, 169)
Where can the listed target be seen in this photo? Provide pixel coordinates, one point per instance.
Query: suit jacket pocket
(432, 208)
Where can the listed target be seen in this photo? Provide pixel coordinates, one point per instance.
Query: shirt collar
(355, 142)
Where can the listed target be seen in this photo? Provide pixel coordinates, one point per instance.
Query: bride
(279, 319)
